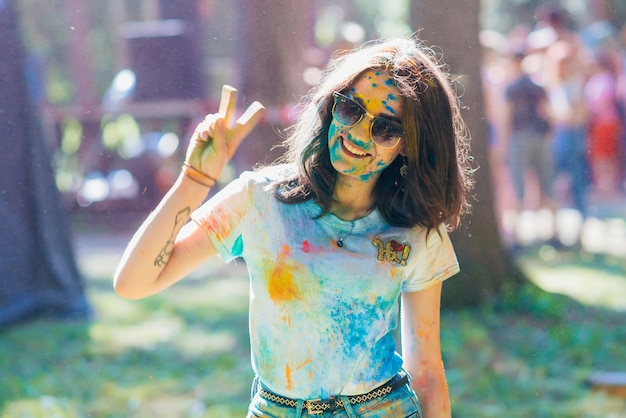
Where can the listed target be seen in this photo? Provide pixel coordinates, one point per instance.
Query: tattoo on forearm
(164, 255)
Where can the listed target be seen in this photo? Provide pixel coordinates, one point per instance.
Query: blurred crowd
(556, 106)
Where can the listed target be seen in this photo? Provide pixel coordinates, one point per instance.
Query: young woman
(354, 218)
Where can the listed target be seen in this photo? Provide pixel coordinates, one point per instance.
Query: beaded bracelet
(197, 175)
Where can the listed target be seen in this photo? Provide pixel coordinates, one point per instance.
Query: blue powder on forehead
(392, 97)
(389, 109)
(374, 84)
(390, 82)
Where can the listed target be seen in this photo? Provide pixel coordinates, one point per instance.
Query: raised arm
(421, 350)
(167, 247)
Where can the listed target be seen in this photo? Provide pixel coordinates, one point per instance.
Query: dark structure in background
(166, 54)
(38, 273)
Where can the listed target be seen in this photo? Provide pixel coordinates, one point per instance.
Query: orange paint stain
(280, 286)
(216, 223)
(304, 363)
(288, 377)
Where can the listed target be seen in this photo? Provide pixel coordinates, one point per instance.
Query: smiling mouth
(351, 149)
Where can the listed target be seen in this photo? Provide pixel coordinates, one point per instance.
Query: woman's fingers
(228, 104)
(247, 121)
(204, 130)
(221, 130)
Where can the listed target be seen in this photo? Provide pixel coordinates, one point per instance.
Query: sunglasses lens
(347, 112)
(385, 133)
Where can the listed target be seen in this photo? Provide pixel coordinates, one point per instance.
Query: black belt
(318, 406)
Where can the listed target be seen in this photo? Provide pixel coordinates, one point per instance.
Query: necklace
(341, 236)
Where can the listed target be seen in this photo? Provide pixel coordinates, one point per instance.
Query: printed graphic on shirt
(392, 251)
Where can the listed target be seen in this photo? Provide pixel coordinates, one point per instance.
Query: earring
(404, 169)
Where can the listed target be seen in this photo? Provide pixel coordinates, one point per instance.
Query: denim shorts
(402, 402)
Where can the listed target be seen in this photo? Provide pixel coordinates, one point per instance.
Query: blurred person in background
(525, 143)
(565, 81)
(621, 99)
(605, 124)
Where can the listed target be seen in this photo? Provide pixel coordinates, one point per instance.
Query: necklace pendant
(340, 242)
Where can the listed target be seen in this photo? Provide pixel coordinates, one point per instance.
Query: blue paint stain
(237, 249)
(335, 150)
(390, 109)
(391, 97)
(356, 320)
(357, 141)
(356, 317)
(374, 85)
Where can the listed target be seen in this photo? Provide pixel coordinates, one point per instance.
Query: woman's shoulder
(268, 175)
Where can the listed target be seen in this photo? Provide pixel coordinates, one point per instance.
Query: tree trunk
(38, 273)
(274, 39)
(454, 26)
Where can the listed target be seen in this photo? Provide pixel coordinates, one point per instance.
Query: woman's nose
(360, 132)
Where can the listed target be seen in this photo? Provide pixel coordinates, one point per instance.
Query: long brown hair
(436, 141)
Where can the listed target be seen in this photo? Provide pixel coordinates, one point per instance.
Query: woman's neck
(352, 198)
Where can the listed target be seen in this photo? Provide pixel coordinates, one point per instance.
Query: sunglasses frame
(338, 96)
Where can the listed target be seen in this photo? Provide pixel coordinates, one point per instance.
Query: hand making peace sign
(218, 136)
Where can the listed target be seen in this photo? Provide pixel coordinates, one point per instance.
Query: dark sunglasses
(383, 132)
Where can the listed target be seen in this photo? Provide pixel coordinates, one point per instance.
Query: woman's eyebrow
(386, 116)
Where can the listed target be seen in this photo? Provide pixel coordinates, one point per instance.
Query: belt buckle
(312, 403)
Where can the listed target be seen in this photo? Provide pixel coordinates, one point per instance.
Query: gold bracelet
(197, 175)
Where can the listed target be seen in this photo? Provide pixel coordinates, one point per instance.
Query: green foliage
(72, 133)
(119, 130)
(66, 161)
(532, 357)
(181, 355)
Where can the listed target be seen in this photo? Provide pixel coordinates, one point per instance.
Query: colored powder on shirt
(280, 286)
(216, 223)
(237, 249)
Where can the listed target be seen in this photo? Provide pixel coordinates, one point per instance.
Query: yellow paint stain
(281, 286)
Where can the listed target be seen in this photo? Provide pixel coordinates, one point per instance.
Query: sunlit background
(118, 85)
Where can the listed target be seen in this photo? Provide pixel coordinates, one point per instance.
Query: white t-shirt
(321, 316)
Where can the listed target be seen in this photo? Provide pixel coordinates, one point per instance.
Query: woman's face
(352, 151)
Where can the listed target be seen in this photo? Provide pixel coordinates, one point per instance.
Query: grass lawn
(184, 353)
